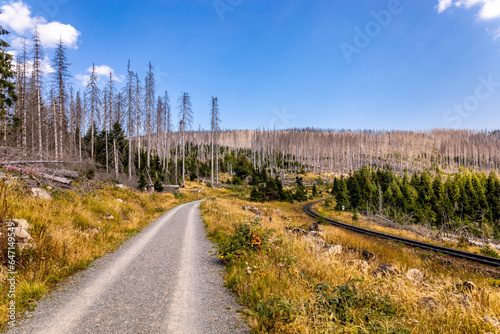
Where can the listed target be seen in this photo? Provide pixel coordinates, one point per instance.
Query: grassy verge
(72, 230)
(290, 285)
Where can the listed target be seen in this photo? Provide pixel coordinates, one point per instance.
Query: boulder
(21, 234)
(40, 193)
(335, 250)
(109, 217)
(384, 270)
(119, 200)
(23, 223)
(414, 275)
(299, 231)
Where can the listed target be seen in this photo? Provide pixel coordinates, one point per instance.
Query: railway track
(423, 245)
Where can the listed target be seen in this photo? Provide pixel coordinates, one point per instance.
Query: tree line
(466, 198)
(108, 125)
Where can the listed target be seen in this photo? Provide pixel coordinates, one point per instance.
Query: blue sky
(415, 64)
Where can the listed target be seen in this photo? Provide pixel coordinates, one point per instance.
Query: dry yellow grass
(282, 276)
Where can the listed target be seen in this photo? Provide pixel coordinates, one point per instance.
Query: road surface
(164, 280)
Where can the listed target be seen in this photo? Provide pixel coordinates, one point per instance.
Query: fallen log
(55, 178)
(65, 173)
(42, 175)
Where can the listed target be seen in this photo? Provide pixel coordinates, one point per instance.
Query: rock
(49, 188)
(414, 275)
(429, 302)
(360, 264)
(248, 270)
(22, 234)
(384, 270)
(469, 286)
(368, 256)
(335, 250)
(299, 231)
(110, 217)
(119, 200)
(23, 223)
(121, 186)
(491, 320)
(315, 227)
(286, 218)
(40, 193)
(270, 219)
(245, 208)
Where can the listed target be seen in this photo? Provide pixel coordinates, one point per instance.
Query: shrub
(158, 185)
(488, 251)
(142, 182)
(247, 237)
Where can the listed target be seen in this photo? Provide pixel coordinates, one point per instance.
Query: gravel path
(164, 280)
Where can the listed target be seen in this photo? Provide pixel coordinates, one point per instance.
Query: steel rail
(423, 245)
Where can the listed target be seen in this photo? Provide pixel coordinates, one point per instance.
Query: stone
(245, 208)
(335, 250)
(469, 286)
(110, 217)
(119, 200)
(368, 256)
(121, 186)
(40, 193)
(414, 275)
(384, 270)
(314, 227)
(299, 231)
(22, 234)
(23, 223)
(491, 320)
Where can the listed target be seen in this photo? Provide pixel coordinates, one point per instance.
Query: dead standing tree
(185, 123)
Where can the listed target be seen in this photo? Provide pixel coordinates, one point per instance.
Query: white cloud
(490, 9)
(50, 33)
(16, 16)
(102, 72)
(444, 4)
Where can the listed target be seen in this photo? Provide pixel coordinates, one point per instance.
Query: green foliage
(270, 312)
(488, 251)
(142, 182)
(158, 185)
(462, 198)
(237, 181)
(355, 215)
(247, 237)
(348, 306)
(7, 75)
(328, 202)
